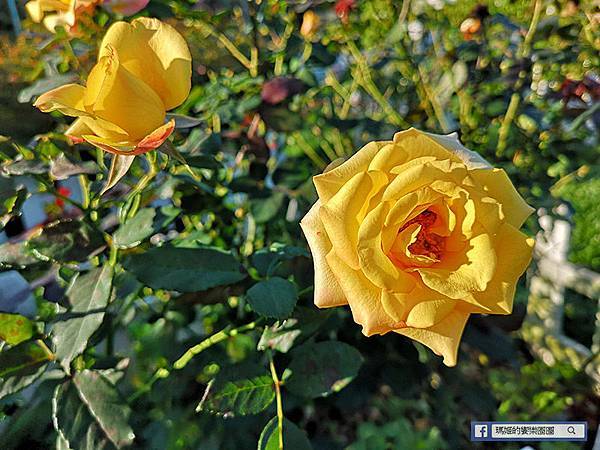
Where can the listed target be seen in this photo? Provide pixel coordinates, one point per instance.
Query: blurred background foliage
(280, 90)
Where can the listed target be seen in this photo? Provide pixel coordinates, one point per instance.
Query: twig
(515, 99)
(365, 80)
(277, 384)
(250, 64)
(212, 340)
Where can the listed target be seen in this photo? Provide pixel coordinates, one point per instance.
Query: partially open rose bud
(416, 234)
(143, 70)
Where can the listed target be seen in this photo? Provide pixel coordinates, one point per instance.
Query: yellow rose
(415, 234)
(55, 13)
(143, 70)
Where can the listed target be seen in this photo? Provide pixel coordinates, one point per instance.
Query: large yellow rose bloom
(55, 13)
(143, 70)
(416, 234)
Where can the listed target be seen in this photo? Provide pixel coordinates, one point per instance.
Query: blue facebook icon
(480, 432)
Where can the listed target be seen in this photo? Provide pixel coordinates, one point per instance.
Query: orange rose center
(427, 246)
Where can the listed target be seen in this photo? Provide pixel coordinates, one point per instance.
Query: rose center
(427, 243)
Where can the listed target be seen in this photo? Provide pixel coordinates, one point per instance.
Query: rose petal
(459, 280)
(375, 264)
(499, 187)
(430, 312)
(443, 338)
(67, 99)
(344, 212)
(514, 255)
(363, 297)
(127, 148)
(450, 142)
(153, 52)
(119, 97)
(327, 291)
(329, 183)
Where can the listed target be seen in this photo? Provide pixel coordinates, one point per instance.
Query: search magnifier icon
(571, 430)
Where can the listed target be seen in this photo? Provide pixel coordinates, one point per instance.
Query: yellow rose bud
(415, 234)
(310, 24)
(63, 13)
(143, 70)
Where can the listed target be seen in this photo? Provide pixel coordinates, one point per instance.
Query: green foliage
(293, 437)
(536, 390)
(397, 434)
(585, 240)
(15, 328)
(239, 397)
(322, 368)
(185, 269)
(89, 410)
(88, 295)
(274, 297)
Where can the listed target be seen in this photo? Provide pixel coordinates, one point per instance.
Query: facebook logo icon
(480, 431)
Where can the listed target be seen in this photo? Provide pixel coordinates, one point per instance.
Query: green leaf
(239, 398)
(106, 406)
(12, 384)
(282, 336)
(45, 85)
(118, 169)
(88, 412)
(15, 328)
(274, 297)
(265, 209)
(169, 149)
(317, 370)
(62, 167)
(88, 295)
(25, 167)
(65, 241)
(146, 222)
(200, 142)
(136, 229)
(16, 255)
(185, 269)
(24, 359)
(293, 437)
(266, 260)
(12, 197)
